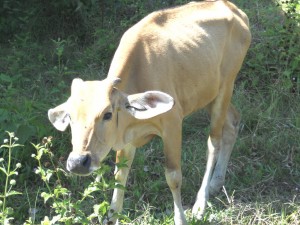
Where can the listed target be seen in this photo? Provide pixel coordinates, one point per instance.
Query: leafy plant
(9, 172)
(66, 208)
(60, 69)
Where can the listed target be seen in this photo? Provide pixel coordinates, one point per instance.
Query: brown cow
(170, 64)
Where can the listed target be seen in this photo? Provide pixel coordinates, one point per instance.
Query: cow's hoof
(198, 211)
(109, 222)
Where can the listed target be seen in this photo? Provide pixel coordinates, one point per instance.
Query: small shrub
(9, 172)
(66, 207)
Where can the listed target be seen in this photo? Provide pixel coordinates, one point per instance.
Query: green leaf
(46, 221)
(13, 193)
(9, 210)
(3, 170)
(49, 175)
(40, 153)
(102, 208)
(17, 145)
(60, 191)
(5, 146)
(46, 196)
(5, 78)
(90, 190)
(13, 173)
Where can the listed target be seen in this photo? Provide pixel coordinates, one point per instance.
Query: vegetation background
(45, 44)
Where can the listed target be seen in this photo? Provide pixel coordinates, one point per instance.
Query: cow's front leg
(174, 180)
(121, 175)
(172, 151)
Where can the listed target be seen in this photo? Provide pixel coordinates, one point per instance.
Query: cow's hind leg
(218, 112)
(229, 135)
(121, 175)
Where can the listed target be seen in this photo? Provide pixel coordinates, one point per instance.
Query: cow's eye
(107, 116)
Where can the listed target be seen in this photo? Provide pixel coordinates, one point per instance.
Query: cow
(170, 64)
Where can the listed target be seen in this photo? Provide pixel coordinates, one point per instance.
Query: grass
(263, 177)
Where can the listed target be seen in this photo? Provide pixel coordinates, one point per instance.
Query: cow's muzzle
(79, 164)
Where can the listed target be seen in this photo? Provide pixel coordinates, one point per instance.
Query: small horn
(116, 81)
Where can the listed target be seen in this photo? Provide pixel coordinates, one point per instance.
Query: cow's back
(189, 51)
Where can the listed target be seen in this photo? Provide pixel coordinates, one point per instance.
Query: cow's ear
(148, 104)
(59, 117)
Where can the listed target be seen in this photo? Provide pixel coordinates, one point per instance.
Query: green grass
(39, 58)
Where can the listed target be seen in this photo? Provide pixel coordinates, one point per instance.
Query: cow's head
(93, 111)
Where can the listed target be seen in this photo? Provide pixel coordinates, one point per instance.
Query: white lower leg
(230, 132)
(121, 175)
(174, 180)
(218, 177)
(203, 194)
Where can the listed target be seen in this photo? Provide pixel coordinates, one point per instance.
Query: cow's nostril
(86, 161)
(79, 164)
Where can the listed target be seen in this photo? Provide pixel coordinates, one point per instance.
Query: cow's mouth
(79, 164)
